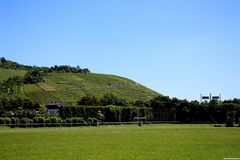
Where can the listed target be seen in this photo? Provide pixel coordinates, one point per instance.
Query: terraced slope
(6, 73)
(72, 86)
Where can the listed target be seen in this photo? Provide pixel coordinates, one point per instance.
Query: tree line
(7, 64)
(113, 108)
(173, 109)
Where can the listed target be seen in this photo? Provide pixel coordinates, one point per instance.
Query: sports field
(123, 142)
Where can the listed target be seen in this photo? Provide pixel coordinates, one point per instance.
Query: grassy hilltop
(71, 86)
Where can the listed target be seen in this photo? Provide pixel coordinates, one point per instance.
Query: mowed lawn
(130, 142)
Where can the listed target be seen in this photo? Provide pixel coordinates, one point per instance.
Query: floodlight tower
(208, 98)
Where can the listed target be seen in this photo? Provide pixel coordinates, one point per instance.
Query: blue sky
(179, 48)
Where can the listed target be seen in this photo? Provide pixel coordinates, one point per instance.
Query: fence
(94, 124)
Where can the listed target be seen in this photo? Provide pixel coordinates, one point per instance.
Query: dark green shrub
(7, 120)
(47, 120)
(41, 120)
(79, 121)
(25, 122)
(92, 122)
(53, 120)
(35, 120)
(76, 121)
(14, 120)
(59, 120)
(33, 76)
(2, 120)
(89, 121)
(89, 100)
(69, 120)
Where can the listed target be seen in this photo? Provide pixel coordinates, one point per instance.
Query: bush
(7, 120)
(69, 120)
(92, 122)
(48, 122)
(30, 121)
(14, 120)
(25, 122)
(89, 121)
(33, 77)
(55, 121)
(2, 120)
(89, 100)
(52, 121)
(76, 121)
(41, 120)
(35, 120)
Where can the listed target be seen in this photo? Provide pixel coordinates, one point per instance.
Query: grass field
(150, 142)
(6, 73)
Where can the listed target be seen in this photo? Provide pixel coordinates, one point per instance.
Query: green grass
(150, 142)
(37, 94)
(6, 73)
(70, 86)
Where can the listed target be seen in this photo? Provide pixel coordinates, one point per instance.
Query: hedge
(111, 113)
(76, 121)
(2, 120)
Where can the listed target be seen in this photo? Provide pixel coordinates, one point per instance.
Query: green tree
(2, 60)
(89, 100)
(34, 76)
(109, 99)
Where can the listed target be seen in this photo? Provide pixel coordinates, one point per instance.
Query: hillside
(72, 86)
(6, 73)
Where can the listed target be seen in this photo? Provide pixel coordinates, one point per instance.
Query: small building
(53, 107)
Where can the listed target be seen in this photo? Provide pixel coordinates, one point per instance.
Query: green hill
(6, 73)
(72, 86)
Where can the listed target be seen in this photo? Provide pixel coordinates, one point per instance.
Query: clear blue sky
(179, 48)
